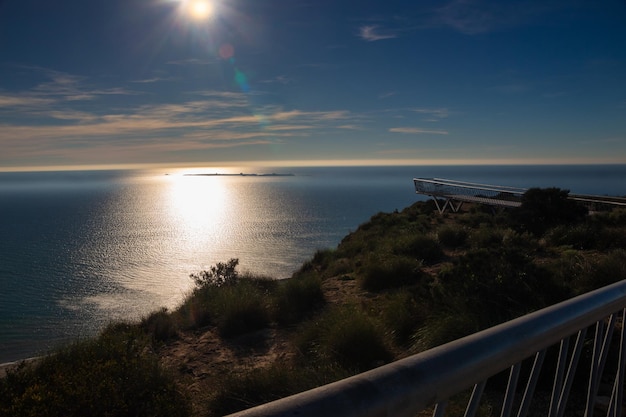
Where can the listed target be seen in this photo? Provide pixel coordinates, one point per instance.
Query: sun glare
(198, 9)
(198, 205)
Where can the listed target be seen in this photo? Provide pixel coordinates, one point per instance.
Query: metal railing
(455, 193)
(413, 384)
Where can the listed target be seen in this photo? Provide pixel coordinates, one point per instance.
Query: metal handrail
(468, 186)
(410, 385)
(495, 195)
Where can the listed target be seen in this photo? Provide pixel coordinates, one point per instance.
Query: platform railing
(429, 379)
(455, 193)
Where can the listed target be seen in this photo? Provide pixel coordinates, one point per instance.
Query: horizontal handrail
(461, 190)
(468, 186)
(408, 386)
(478, 184)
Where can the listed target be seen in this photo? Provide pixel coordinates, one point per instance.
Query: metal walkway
(455, 193)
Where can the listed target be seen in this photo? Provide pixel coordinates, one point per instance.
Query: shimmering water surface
(80, 249)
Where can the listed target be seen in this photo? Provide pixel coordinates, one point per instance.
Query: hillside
(401, 283)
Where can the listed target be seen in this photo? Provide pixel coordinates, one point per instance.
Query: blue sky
(105, 82)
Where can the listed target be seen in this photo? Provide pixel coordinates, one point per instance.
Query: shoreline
(4, 367)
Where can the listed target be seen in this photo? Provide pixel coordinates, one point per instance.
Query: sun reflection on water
(198, 205)
(200, 209)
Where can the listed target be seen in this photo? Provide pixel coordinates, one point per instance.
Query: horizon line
(313, 163)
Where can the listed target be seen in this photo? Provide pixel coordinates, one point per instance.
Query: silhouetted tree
(544, 208)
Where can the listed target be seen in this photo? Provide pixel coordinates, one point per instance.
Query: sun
(198, 9)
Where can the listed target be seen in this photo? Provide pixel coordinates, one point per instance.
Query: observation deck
(455, 193)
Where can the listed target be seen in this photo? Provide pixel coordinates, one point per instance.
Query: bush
(234, 308)
(195, 311)
(452, 236)
(496, 285)
(582, 236)
(612, 238)
(609, 269)
(544, 208)
(401, 315)
(381, 273)
(345, 336)
(584, 273)
(239, 391)
(159, 325)
(572, 270)
(109, 376)
(420, 247)
(486, 237)
(239, 309)
(444, 327)
(476, 218)
(218, 275)
(297, 297)
(617, 217)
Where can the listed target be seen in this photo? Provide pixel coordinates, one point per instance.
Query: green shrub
(617, 217)
(486, 237)
(159, 325)
(614, 217)
(572, 270)
(234, 309)
(297, 297)
(496, 285)
(323, 257)
(476, 218)
(235, 305)
(452, 236)
(443, 327)
(420, 247)
(401, 315)
(239, 391)
(581, 236)
(544, 208)
(381, 273)
(346, 336)
(522, 241)
(612, 238)
(218, 275)
(112, 375)
(584, 273)
(239, 309)
(341, 266)
(608, 269)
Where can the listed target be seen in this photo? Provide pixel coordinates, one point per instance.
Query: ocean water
(81, 249)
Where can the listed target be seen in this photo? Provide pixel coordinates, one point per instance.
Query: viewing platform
(455, 193)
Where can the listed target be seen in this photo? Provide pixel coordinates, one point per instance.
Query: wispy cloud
(68, 120)
(279, 79)
(154, 80)
(387, 94)
(434, 114)
(290, 127)
(372, 33)
(192, 61)
(417, 131)
(11, 101)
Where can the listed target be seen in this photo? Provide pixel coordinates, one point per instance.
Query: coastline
(5, 367)
(335, 200)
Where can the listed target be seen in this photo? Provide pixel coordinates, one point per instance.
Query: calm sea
(80, 249)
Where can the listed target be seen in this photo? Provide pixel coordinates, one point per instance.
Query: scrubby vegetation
(113, 375)
(401, 283)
